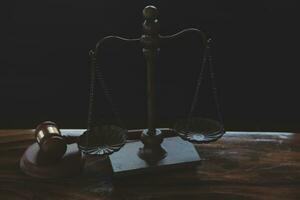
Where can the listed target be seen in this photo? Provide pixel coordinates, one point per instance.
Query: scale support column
(151, 137)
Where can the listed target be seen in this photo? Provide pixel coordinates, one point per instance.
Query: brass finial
(150, 12)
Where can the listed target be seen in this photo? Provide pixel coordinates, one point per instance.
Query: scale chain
(97, 75)
(199, 82)
(213, 82)
(206, 58)
(107, 93)
(92, 89)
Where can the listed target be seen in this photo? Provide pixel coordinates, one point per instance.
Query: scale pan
(199, 130)
(103, 140)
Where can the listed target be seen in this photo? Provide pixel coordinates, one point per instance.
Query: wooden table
(242, 165)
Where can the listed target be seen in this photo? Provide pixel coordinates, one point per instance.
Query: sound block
(180, 154)
(33, 164)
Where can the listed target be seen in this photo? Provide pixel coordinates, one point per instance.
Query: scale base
(180, 154)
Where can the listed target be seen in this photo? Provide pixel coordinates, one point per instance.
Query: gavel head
(50, 140)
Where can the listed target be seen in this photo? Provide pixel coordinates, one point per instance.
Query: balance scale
(146, 150)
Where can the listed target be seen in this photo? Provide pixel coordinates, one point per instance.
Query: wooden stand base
(33, 164)
(180, 153)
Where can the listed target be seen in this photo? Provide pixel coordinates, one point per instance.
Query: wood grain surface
(241, 165)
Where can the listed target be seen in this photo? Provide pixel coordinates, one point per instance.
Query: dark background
(44, 72)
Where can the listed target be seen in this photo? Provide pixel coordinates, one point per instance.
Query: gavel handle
(134, 134)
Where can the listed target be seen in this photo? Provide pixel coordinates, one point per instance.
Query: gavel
(52, 144)
(51, 156)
